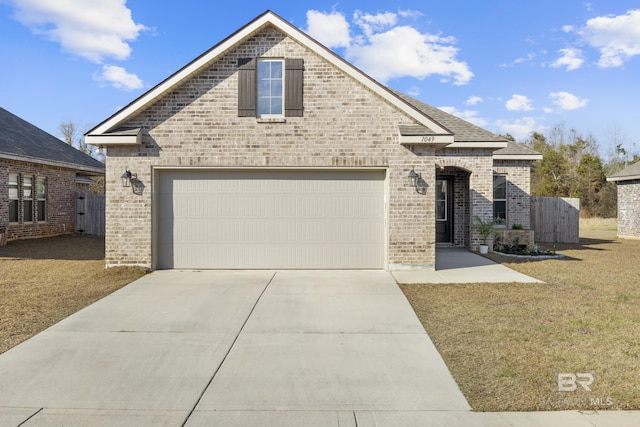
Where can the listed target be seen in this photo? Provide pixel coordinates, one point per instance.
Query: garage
(270, 219)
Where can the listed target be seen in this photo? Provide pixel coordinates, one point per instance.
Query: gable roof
(439, 127)
(20, 140)
(631, 172)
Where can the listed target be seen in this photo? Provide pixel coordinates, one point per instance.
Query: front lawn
(42, 281)
(506, 344)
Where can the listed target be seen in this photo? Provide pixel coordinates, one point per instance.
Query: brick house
(270, 151)
(628, 185)
(39, 177)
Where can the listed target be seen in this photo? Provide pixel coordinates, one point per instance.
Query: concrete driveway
(198, 348)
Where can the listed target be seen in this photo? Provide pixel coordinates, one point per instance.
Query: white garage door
(270, 219)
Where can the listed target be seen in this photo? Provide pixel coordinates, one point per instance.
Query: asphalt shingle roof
(462, 130)
(631, 172)
(514, 149)
(21, 140)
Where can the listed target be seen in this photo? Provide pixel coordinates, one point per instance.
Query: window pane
(26, 187)
(13, 186)
(41, 191)
(28, 211)
(13, 211)
(276, 69)
(441, 210)
(441, 190)
(499, 187)
(500, 212)
(276, 88)
(42, 211)
(276, 106)
(263, 106)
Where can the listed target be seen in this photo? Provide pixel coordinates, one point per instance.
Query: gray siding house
(39, 177)
(628, 185)
(271, 152)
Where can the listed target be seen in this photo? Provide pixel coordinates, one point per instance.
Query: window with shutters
(270, 87)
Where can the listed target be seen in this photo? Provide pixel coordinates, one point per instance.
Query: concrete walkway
(231, 348)
(457, 265)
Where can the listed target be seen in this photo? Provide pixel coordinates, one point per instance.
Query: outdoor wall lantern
(416, 181)
(126, 178)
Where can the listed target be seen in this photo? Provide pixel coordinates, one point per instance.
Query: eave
(623, 178)
(131, 137)
(517, 157)
(54, 163)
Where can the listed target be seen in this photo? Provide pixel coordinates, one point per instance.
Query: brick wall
(60, 203)
(629, 208)
(344, 125)
(518, 174)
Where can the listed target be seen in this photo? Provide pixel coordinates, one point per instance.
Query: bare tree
(73, 137)
(69, 132)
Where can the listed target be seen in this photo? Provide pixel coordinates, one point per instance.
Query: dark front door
(444, 210)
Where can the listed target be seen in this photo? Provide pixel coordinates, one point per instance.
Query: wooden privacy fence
(90, 213)
(555, 219)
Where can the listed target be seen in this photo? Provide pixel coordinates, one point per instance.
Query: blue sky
(507, 66)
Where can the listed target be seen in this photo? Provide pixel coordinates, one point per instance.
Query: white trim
(107, 139)
(479, 144)
(517, 157)
(268, 18)
(427, 139)
(623, 178)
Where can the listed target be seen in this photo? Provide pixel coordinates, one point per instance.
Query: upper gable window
(270, 87)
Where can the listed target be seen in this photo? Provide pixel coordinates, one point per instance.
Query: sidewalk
(458, 265)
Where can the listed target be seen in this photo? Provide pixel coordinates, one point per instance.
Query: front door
(444, 210)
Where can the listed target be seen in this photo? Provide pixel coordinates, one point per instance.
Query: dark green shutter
(293, 102)
(247, 90)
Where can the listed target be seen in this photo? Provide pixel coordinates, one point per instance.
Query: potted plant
(484, 228)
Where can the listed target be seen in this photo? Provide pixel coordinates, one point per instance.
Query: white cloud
(100, 31)
(386, 50)
(404, 51)
(520, 129)
(566, 101)
(372, 24)
(616, 37)
(469, 115)
(331, 29)
(473, 100)
(119, 78)
(414, 91)
(519, 103)
(530, 56)
(408, 13)
(571, 58)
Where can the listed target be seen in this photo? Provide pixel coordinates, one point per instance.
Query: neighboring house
(39, 176)
(628, 185)
(270, 151)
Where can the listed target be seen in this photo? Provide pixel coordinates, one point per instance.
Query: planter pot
(484, 249)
